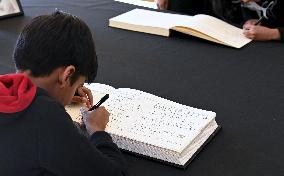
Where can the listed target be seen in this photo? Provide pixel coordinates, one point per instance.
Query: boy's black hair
(52, 41)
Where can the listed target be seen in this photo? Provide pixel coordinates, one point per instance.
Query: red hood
(16, 92)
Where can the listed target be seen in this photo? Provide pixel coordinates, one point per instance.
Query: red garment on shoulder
(16, 93)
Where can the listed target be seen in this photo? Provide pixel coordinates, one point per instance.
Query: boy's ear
(65, 75)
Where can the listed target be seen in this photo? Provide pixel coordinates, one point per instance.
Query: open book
(202, 26)
(151, 126)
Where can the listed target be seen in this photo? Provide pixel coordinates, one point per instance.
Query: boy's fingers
(82, 93)
(78, 99)
(247, 26)
(89, 94)
(248, 34)
(88, 104)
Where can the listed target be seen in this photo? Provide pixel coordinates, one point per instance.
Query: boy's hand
(260, 33)
(95, 120)
(84, 96)
(162, 4)
(250, 22)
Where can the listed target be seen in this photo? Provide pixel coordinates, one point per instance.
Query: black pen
(259, 21)
(100, 102)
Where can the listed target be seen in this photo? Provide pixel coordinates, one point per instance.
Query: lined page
(217, 29)
(153, 120)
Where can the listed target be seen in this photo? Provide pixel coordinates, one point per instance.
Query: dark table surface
(245, 87)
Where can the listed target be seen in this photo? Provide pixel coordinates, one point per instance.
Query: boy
(55, 55)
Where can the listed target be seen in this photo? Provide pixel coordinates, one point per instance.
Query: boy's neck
(48, 83)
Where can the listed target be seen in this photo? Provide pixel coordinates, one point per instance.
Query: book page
(153, 120)
(143, 3)
(138, 18)
(217, 29)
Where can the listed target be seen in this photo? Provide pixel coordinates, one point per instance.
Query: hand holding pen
(254, 31)
(95, 120)
(259, 20)
(102, 100)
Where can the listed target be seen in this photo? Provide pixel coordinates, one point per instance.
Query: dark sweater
(191, 7)
(276, 18)
(42, 140)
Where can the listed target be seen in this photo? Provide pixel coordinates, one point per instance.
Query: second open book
(151, 126)
(202, 26)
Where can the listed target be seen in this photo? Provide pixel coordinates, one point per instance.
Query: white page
(150, 18)
(217, 29)
(153, 120)
(149, 4)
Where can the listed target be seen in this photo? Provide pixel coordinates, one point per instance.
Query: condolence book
(202, 26)
(152, 126)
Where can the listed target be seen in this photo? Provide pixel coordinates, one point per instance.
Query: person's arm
(274, 29)
(63, 151)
